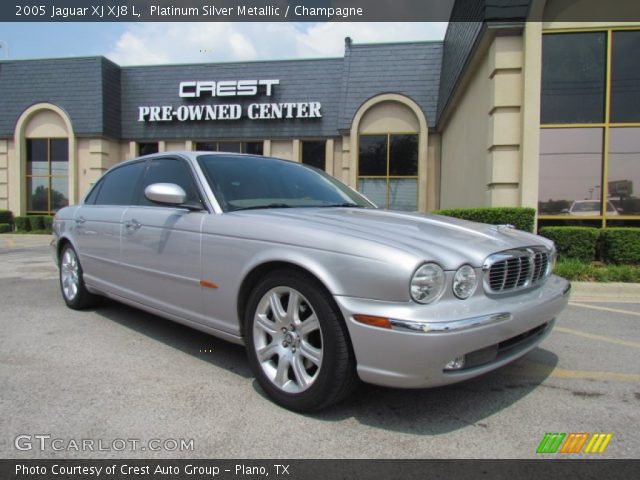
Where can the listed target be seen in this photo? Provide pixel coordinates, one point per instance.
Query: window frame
(606, 125)
(100, 183)
(388, 177)
(194, 178)
(49, 176)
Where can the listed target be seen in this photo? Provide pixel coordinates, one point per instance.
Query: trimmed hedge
(22, 224)
(5, 228)
(48, 223)
(520, 217)
(34, 223)
(621, 245)
(574, 242)
(37, 222)
(6, 217)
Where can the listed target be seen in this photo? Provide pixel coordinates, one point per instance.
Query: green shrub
(5, 228)
(520, 217)
(621, 245)
(22, 224)
(574, 242)
(575, 270)
(48, 223)
(6, 217)
(37, 222)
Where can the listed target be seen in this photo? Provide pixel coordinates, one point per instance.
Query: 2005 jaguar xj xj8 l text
(321, 286)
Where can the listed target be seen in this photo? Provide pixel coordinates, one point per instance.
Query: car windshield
(252, 182)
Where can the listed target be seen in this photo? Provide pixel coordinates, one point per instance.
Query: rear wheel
(74, 290)
(297, 343)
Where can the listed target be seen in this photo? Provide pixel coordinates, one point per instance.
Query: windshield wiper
(258, 207)
(346, 204)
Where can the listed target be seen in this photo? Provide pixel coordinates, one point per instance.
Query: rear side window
(93, 194)
(118, 186)
(170, 170)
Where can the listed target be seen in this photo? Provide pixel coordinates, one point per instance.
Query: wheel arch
(60, 245)
(263, 269)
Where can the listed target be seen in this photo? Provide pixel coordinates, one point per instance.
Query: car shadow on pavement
(420, 412)
(205, 347)
(441, 410)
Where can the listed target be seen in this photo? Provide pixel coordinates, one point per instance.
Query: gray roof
(77, 85)
(466, 24)
(411, 69)
(102, 99)
(300, 81)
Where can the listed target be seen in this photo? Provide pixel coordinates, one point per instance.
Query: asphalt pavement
(116, 373)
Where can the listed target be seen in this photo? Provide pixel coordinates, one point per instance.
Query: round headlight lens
(465, 282)
(427, 283)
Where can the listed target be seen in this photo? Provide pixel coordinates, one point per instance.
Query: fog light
(456, 364)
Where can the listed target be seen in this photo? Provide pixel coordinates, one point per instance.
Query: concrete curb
(12, 240)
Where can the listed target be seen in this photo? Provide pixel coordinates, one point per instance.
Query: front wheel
(74, 291)
(297, 343)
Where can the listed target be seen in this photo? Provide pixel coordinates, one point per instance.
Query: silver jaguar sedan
(322, 287)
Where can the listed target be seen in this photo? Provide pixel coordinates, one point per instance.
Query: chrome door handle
(132, 224)
(80, 220)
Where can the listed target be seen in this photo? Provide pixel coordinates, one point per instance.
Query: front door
(161, 244)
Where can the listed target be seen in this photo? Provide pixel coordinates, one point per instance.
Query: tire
(300, 353)
(72, 286)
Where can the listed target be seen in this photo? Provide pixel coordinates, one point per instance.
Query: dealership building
(504, 111)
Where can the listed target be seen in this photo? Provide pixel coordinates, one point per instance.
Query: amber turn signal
(379, 322)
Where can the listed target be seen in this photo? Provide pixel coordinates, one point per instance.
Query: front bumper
(488, 331)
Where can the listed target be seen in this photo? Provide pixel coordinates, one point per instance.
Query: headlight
(427, 283)
(465, 282)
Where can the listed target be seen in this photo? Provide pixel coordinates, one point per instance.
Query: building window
(388, 170)
(590, 128)
(47, 175)
(313, 153)
(147, 148)
(573, 78)
(254, 148)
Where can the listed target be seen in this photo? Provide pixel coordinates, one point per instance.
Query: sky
(160, 43)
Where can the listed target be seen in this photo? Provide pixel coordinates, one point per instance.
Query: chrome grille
(515, 269)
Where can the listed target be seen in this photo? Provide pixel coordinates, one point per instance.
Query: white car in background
(590, 208)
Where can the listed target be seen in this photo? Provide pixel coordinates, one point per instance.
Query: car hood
(449, 241)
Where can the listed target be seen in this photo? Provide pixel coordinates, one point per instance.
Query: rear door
(98, 225)
(161, 244)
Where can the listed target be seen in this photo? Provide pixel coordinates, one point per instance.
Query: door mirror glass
(166, 193)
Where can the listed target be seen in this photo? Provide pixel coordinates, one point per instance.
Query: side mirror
(167, 193)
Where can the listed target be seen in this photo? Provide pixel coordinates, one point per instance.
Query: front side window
(590, 128)
(118, 186)
(388, 170)
(170, 170)
(251, 182)
(47, 175)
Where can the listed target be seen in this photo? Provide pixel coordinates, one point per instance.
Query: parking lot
(118, 373)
